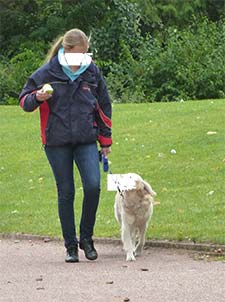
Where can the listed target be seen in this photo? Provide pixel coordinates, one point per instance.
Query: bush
(14, 73)
(191, 65)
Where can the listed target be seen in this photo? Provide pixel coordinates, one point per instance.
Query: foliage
(148, 50)
(189, 66)
(13, 74)
(157, 15)
(108, 40)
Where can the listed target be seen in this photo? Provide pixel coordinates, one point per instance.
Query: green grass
(143, 136)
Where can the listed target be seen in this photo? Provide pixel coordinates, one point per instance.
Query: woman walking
(75, 113)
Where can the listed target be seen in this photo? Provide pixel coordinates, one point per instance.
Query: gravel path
(36, 271)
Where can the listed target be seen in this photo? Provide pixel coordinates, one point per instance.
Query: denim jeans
(62, 160)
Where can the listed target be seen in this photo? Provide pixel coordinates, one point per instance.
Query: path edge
(168, 244)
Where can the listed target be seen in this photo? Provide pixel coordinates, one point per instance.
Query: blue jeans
(62, 160)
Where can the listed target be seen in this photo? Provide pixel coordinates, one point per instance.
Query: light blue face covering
(67, 70)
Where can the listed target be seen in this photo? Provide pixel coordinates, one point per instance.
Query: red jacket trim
(104, 141)
(24, 98)
(106, 120)
(44, 114)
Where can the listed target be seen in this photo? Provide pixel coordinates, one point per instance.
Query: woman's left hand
(105, 151)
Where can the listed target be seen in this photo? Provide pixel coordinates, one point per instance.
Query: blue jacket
(78, 112)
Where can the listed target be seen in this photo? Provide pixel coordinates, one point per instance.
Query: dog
(133, 210)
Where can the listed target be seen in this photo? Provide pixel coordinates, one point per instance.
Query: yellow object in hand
(47, 88)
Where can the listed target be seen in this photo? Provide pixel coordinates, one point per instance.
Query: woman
(73, 118)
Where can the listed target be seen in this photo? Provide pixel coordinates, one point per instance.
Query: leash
(105, 166)
(117, 185)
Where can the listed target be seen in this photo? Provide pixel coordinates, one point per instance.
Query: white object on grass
(173, 151)
(210, 193)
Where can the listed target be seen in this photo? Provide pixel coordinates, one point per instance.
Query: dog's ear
(148, 188)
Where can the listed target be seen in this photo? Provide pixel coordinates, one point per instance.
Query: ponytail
(54, 49)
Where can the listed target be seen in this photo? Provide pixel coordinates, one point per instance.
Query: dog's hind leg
(127, 242)
(141, 242)
(134, 237)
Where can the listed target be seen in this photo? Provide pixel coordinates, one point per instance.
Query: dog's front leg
(127, 242)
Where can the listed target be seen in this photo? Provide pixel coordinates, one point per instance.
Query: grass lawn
(190, 184)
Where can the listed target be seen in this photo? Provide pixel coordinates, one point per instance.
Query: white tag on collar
(123, 182)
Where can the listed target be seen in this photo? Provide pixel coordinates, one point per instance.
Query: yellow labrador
(133, 210)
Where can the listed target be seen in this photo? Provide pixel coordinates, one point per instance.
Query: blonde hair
(73, 37)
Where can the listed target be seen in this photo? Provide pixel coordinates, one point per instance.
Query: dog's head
(141, 185)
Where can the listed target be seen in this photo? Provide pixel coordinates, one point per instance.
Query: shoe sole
(89, 257)
(71, 261)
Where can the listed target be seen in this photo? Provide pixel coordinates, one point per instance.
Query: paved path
(33, 271)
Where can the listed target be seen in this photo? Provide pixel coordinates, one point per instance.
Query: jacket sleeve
(27, 98)
(104, 113)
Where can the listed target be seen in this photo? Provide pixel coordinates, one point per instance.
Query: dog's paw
(130, 257)
(138, 252)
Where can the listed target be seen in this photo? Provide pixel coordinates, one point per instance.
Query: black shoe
(72, 254)
(89, 250)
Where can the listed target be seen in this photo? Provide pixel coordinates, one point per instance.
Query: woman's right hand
(42, 96)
